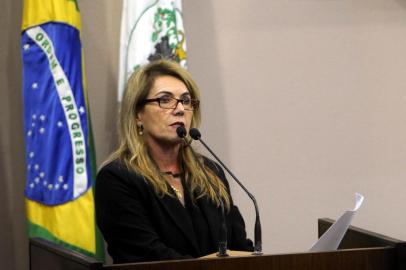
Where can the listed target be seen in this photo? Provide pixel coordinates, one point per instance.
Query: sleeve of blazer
(121, 200)
(237, 236)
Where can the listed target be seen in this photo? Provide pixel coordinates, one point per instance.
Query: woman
(153, 202)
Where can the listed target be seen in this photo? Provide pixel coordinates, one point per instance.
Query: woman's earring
(140, 129)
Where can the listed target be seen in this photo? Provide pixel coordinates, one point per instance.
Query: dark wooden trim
(357, 237)
(359, 250)
(382, 258)
(47, 255)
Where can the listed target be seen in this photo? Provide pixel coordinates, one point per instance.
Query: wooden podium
(360, 249)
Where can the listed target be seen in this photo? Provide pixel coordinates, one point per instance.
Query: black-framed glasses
(171, 103)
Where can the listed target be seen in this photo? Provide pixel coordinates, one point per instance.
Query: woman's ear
(138, 118)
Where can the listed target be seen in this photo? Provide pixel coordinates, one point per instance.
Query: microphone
(195, 135)
(181, 131)
(222, 245)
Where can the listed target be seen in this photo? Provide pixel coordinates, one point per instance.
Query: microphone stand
(257, 230)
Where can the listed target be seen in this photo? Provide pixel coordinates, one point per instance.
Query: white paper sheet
(333, 236)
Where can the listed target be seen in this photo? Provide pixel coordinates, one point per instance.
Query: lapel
(212, 214)
(180, 217)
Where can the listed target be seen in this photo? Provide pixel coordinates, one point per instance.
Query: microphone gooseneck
(195, 134)
(222, 245)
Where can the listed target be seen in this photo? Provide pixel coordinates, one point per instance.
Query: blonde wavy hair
(133, 150)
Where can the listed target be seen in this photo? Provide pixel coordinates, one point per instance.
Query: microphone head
(195, 133)
(181, 131)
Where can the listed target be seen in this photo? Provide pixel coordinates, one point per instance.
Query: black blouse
(200, 225)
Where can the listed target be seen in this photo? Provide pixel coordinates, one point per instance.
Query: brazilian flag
(60, 155)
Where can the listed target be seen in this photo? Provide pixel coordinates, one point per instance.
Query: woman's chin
(170, 140)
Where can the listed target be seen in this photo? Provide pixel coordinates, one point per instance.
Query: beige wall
(309, 108)
(13, 240)
(303, 99)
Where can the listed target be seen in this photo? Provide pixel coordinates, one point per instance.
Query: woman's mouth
(177, 124)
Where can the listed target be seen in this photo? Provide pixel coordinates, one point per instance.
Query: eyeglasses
(171, 103)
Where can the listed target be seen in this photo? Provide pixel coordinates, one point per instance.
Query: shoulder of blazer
(119, 171)
(216, 168)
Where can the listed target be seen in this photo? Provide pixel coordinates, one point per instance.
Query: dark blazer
(140, 226)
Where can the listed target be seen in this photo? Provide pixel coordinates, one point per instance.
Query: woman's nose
(179, 108)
